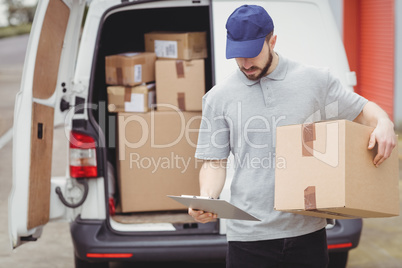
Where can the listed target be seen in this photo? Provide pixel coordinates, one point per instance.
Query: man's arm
(212, 180)
(383, 134)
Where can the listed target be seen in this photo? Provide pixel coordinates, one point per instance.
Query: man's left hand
(384, 136)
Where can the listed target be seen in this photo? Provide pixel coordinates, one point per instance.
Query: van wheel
(338, 259)
(86, 264)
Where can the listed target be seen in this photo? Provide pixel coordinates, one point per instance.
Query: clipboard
(222, 208)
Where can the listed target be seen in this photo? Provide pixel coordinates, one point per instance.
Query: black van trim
(95, 237)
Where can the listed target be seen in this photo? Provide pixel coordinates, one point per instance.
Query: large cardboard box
(130, 69)
(131, 99)
(156, 158)
(177, 45)
(180, 83)
(325, 170)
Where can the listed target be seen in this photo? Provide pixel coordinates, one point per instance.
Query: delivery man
(240, 115)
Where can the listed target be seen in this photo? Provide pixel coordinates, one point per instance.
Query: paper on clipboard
(221, 207)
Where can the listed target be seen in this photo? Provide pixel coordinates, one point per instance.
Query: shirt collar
(281, 69)
(278, 74)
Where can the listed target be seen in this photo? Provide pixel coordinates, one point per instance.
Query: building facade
(372, 35)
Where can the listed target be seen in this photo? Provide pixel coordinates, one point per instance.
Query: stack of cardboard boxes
(180, 74)
(127, 75)
(156, 146)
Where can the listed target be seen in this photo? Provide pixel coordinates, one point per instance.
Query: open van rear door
(48, 70)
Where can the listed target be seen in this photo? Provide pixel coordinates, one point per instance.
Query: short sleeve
(214, 135)
(341, 103)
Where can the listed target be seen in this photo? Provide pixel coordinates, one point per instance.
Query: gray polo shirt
(240, 116)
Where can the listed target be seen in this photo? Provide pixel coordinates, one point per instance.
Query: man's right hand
(202, 216)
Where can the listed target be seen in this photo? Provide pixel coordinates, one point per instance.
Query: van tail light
(82, 156)
(109, 255)
(343, 245)
(112, 207)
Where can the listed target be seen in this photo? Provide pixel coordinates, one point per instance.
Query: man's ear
(272, 42)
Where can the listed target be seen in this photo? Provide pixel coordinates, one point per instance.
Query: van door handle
(40, 131)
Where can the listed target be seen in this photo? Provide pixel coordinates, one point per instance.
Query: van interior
(124, 32)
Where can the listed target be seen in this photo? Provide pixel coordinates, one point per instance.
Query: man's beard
(263, 70)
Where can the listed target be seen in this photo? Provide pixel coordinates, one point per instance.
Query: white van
(63, 84)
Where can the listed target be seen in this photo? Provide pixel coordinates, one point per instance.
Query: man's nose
(247, 63)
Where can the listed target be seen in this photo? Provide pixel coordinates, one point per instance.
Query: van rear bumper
(94, 237)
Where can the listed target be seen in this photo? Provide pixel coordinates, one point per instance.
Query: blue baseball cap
(247, 28)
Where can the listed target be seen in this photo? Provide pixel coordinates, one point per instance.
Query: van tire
(86, 264)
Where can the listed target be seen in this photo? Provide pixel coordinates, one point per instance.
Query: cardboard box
(131, 99)
(325, 170)
(180, 83)
(156, 158)
(130, 69)
(177, 45)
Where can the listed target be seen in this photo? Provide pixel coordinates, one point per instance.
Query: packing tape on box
(181, 100)
(310, 204)
(308, 138)
(180, 69)
(127, 94)
(119, 75)
(181, 96)
(309, 198)
(334, 214)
